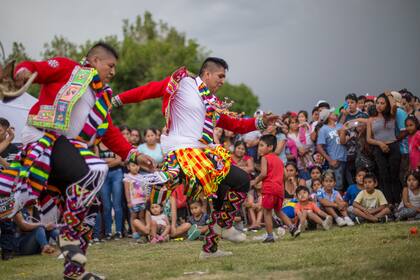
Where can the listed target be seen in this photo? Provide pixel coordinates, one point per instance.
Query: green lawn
(383, 251)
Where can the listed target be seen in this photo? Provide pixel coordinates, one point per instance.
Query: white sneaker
(327, 223)
(217, 254)
(234, 235)
(340, 222)
(348, 221)
(281, 232)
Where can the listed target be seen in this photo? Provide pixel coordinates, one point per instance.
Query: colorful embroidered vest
(57, 116)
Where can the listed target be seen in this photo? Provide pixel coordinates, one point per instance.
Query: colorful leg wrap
(224, 219)
(77, 231)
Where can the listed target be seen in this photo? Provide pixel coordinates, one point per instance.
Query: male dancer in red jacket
(192, 111)
(72, 115)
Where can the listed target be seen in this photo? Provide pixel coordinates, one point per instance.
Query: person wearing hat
(331, 144)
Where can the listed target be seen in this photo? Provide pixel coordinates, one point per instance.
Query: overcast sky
(290, 52)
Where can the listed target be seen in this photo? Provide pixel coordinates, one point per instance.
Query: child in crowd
(306, 210)
(271, 175)
(315, 187)
(410, 204)
(412, 126)
(253, 204)
(159, 226)
(197, 220)
(315, 173)
(195, 225)
(331, 200)
(136, 196)
(370, 204)
(354, 189)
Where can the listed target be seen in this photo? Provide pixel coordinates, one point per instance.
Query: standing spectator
(255, 211)
(151, 147)
(412, 125)
(315, 115)
(401, 134)
(126, 132)
(135, 137)
(272, 170)
(302, 140)
(136, 195)
(112, 192)
(361, 103)
(279, 132)
(351, 111)
(331, 145)
(369, 102)
(351, 116)
(386, 150)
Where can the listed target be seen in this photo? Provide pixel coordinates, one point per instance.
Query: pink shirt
(414, 150)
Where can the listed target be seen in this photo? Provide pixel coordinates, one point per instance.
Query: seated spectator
(179, 207)
(370, 204)
(151, 147)
(254, 207)
(306, 210)
(136, 195)
(196, 224)
(240, 159)
(315, 172)
(412, 126)
(354, 189)
(159, 226)
(315, 187)
(228, 140)
(410, 204)
(141, 224)
(8, 150)
(32, 237)
(331, 200)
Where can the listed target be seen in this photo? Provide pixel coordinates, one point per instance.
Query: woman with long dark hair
(386, 150)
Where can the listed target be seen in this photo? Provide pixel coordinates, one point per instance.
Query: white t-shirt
(78, 119)
(187, 118)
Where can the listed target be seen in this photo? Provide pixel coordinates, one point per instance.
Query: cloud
(291, 53)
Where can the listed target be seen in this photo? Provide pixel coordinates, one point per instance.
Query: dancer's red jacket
(53, 74)
(158, 89)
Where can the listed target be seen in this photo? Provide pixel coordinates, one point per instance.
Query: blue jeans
(112, 188)
(339, 175)
(32, 242)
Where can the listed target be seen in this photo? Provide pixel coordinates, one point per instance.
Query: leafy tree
(150, 51)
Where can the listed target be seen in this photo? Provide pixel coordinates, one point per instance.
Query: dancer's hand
(146, 162)
(22, 76)
(270, 119)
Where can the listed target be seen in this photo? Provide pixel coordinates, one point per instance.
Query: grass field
(383, 251)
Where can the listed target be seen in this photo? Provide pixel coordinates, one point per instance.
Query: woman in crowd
(386, 150)
(151, 147)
